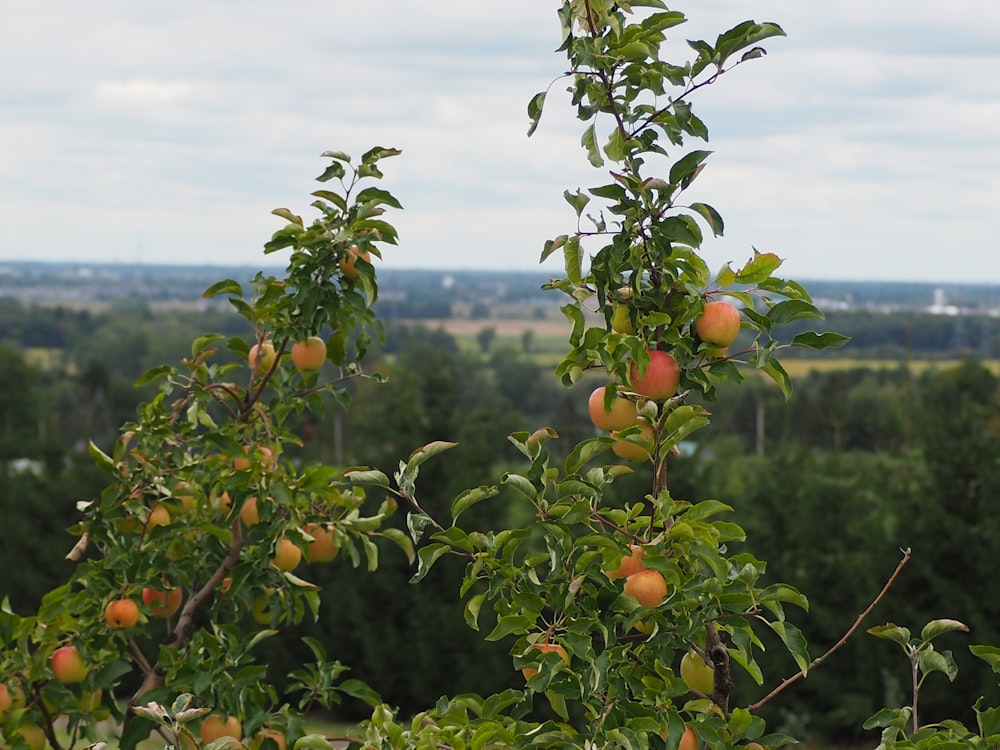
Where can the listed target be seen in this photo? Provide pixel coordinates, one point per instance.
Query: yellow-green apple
(158, 516)
(250, 513)
(632, 451)
(620, 320)
(309, 354)
(347, 263)
(121, 614)
(68, 665)
(33, 736)
(287, 555)
(261, 608)
(91, 701)
(162, 603)
(323, 547)
(697, 673)
(622, 413)
(261, 357)
(660, 379)
(545, 648)
(648, 587)
(719, 324)
(630, 564)
(215, 726)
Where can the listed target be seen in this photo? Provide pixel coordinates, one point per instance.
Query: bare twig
(857, 623)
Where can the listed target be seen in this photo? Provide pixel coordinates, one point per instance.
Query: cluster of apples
(717, 326)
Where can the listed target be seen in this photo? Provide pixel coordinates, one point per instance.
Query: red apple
(622, 413)
(719, 324)
(68, 665)
(634, 451)
(162, 603)
(215, 726)
(121, 614)
(545, 648)
(630, 564)
(309, 354)
(647, 586)
(661, 378)
(324, 546)
(347, 263)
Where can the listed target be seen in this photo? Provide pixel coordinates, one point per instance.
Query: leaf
(686, 168)
(712, 217)
(938, 627)
(426, 557)
(813, 340)
(589, 142)
(792, 309)
(226, 286)
(892, 632)
(366, 476)
(759, 268)
(535, 107)
(153, 374)
(313, 742)
(989, 654)
(401, 540)
(470, 497)
(284, 213)
(472, 610)
(778, 374)
(101, 459)
(428, 451)
(794, 641)
(511, 625)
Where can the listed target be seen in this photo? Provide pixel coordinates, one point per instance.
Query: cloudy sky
(866, 145)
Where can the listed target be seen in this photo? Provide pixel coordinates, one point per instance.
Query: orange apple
(258, 740)
(661, 378)
(10, 698)
(121, 614)
(689, 740)
(697, 673)
(249, 512)
(215, 726)
(162, 603)
(324, 546)
(719, 324)
(158, 516)
(347, 263)
(261, 357)
(309, 354)
(647, 586)
(287, 556)
(630, 564)
(633, 451)
(545, 648)
(622, 413)
(68, 665)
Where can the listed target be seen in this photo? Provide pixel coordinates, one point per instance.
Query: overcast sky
(866, 145)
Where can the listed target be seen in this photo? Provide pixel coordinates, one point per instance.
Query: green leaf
(589, 142)
(472, 608)
(312, 742)
(794, 641)
(930, 660)
(937, 627)
(535, 107)
(101, 459)
(892, 632)
(778, 374)
(685, 169)
(153, 374)
(426, 557)
(792, 309)
(401, 540)
(366, 476)
(511, 625)
(226, 286)
(813, 340)
(470, 497)
(712, 217)
(759, 268)
(989, 654)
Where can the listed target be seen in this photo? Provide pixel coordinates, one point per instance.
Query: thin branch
(857, 623)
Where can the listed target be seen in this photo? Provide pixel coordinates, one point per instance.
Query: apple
(261, 609)
(630, 564)
(347, 263)
(11, 698)
(261, 357)
(324, 546)
(647, 586)
(661, 378)
(91, 702)
(121, 614)
(689, 740)
(249, 512)
(162, 603)
(224, 502)
(754, 746)
(620, 320)
(287, 556)
(258, 740)
(719, 324)
(545, 648)
(33, 736)
(215, 726)
(697, 673)
(68, 665)
(158, 516)
(622, 413)
(630, 451)
(309, 354)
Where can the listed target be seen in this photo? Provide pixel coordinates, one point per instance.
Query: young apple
(121, 614)
(310, 354)
(622, 413)
(215, 726)
(719, 324)
(648, 587)
(261, 357)
(630, 564)
(697, 673)
(661, 378)
(545, 648)
(68, 665)
(348, 262)
(287, 556)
